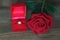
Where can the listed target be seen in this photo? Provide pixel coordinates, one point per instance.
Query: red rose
(40, 23)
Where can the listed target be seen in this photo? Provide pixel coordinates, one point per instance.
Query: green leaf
(47, 8)
(30, 5)
(37, 8)
(50, 8)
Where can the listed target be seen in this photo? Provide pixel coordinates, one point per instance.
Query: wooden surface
(5, 26)
(53, 34)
